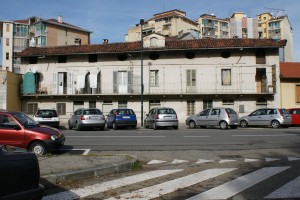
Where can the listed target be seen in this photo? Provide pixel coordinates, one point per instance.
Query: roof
(290, 70)
(170, 45)
(172, 13)
(64, 24)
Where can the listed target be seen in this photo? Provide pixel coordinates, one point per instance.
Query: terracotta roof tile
(290, 70)
(171, 45)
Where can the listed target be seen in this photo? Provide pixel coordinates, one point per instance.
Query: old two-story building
(187, 75)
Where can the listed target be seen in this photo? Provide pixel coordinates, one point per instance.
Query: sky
(111, 19)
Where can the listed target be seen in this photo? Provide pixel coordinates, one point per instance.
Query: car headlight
(54, 137)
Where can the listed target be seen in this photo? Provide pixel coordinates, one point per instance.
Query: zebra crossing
(177, 180)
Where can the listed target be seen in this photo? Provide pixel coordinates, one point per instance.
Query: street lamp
(142, 73)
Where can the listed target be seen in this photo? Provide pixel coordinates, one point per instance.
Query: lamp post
(142, 73)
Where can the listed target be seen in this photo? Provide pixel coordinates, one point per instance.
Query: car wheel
(243, 124)
(192, 124)
(223, 125)
(275, 124)
(39, 148)
(78, 127)
(233, 127)
(114, 126)
(154, 126)
(69, 126)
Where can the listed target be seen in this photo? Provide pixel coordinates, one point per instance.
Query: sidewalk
(56, 169)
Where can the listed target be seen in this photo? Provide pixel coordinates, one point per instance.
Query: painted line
(152, 162)
(173, 185)
(238, 185)
(105, 186)
(86, 151)
(116, 136)
(272, 159)
(251, 160)
(226, 161)
(293, 158)
(279, 135)
(289, 190)
(196, 136)
(200, 161)
(177, 161)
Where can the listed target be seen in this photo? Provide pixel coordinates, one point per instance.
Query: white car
(47, 116)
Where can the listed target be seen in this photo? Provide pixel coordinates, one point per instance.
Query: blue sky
(110, 19)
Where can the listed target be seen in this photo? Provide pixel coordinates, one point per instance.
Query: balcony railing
(170, 88)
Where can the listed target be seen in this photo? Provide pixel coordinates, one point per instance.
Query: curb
(83, 174)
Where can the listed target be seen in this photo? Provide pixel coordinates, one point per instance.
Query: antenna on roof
(279, 11)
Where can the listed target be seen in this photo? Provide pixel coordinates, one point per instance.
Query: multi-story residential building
(18, 35)
(278, 28)
(242, 26)
(170, 23)
(188, 75)
(212, 27)
(290, 84)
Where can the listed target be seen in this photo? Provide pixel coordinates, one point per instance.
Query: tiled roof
(170, 45)
(289, 70)
(170, 14)
(55, 21)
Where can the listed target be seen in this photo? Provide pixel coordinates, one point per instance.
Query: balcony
(163, 89)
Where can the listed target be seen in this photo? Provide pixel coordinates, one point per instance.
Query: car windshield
(92, 112)
(166, 111)
(125, 112)
(25, 120)
(46, 113)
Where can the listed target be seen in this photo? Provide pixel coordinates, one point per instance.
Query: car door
(202, 118)
(214, 117)
(110, 118)
(253, 118)
(271, 114)
(295, 113)
(11, 133)
(148, 119)
(73, 118)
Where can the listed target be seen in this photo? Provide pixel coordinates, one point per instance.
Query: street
(252, 163)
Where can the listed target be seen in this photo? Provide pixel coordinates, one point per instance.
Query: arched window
(154, 42)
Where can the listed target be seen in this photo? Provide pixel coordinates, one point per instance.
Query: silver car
(87, 118)
(274, 117)
(161, 117)
(222, 117)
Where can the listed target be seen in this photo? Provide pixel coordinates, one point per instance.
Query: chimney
(59, 18)
(105, 41)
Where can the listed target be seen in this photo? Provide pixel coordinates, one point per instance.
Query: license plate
(94, 118)
(126, 117)
(168, 117)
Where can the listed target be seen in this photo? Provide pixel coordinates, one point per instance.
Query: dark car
(161, 117)
(122, 117)
(47, 116)
(87, 118)
(20, 174)
(18, 129)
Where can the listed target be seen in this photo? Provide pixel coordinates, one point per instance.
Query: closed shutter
(69, 84)
(298, 93)
(54, 83)
(115, 84)
(130, 84)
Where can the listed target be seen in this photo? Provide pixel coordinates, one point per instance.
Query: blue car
(122, 117)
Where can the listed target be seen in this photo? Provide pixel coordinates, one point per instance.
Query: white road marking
(271, 159)
(177, 161)
(86, 152)
(251, 160)
(200, 161)
(105, 186)
(226, 161)
(293, 158)
(289, 190)
(118, 136)
(278, 135)
(173, 185)
(238, 185)
(156, 162)
(196, 136)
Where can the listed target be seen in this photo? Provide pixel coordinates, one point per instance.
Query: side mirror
(17, 127)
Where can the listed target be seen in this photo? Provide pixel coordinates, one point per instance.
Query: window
(154, 78)
(62, 59)
(274, 78)
(7, 28)
(215, 112)
(190, 108)
(32, 108)
(92, 58)
(33, 60)
(228, 101)
(106, 107)
(297, 93)
(122, 104)
(61, 108)
(261, 103)
(154, 42)
(260, 56)
(226, 76)
(7, 41)
(191, 77)
(7, 56)
(92, 104)
(207, 104)
(154, 103)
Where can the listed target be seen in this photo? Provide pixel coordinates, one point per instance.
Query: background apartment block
(18, 35)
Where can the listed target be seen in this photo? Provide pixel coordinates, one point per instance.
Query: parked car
(47, 116)
(87, 118)
(161, 117)
(18, 129)
(122, 117)
(274, 117)
(222, 117)
(295, 114)
(20, 174)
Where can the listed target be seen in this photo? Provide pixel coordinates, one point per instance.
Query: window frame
(32, 108)
(226, 74)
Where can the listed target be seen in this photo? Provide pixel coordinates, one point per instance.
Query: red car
(18, 129)
(295, 113)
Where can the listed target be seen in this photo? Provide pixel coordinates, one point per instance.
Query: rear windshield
(46, 113)
(231, 111)
(166, 111)
(125, 112)
(92, 112)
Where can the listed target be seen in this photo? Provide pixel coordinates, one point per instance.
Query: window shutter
(115, 84)
(130, 84)
(297, 93)
(54, 83)
(70, 85)
(99, 82)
